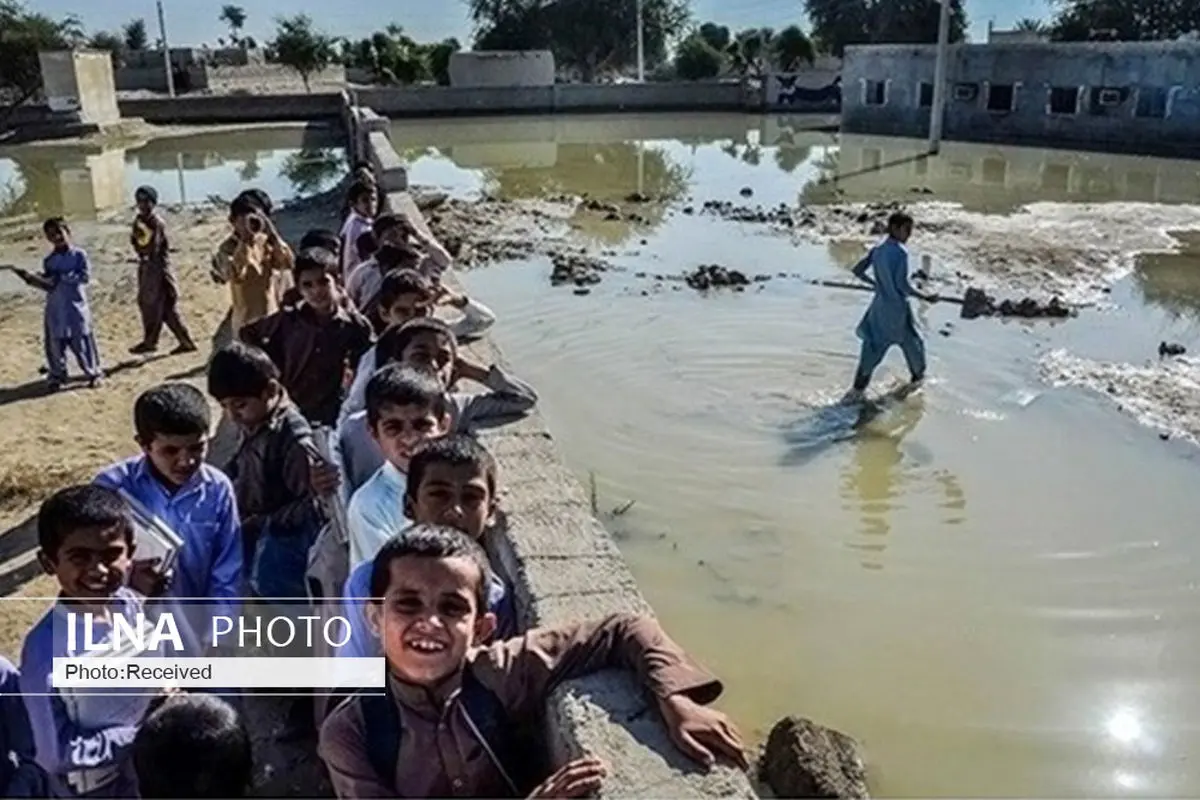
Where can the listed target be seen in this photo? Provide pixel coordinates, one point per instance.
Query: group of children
(335, 343)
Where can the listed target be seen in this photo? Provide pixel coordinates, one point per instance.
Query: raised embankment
(564, 567)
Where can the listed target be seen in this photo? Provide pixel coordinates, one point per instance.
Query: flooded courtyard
(991, 586)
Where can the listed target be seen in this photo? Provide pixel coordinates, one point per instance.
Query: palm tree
(1030, 25)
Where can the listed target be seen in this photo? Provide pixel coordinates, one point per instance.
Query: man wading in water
(889, 320)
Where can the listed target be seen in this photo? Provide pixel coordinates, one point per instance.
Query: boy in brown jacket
(444, 727)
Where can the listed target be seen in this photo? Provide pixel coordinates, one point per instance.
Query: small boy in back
(280, 516)
(448, 694)
(252, 260)
(20, 775)
(196, 500)
(85, 540)
(193, 745)
(407, 294)
(365, 282)
(361, 199)
(66, 272)
(451, 482)
(158, 288)
(405, 407)
(429, 344)
(315, 343)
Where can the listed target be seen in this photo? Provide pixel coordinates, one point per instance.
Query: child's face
(406, 307)
(401, 429)
(453, 495)
(249, 413)
(431, 351)
(429, 617)
(317, 289)
(91, 563)
(145, 206)
(58, 238)
(366, 206)
(177, 458)
(901, 233)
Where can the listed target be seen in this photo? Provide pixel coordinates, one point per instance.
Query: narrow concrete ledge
(390, 169)
(564, 567)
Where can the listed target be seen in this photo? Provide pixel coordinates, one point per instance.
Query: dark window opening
(1064, 100)
(876, 93)
(1001, 97)
(926, 95)
(966, 92)
(1151, 102)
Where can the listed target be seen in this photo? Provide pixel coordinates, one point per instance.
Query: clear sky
(194, 22)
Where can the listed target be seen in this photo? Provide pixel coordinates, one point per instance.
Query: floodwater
(81, 181)
(993, 586)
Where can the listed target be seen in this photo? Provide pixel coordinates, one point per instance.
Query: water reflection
(996, 178)
(1171, 281)
(79, 181)
(874, 478)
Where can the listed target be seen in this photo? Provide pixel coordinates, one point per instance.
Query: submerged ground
(989, 586)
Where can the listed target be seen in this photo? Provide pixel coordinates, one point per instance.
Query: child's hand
(449, 297)
(702, 733)
(323, 478)
(147, 578)
(469, 370)
(578, 778)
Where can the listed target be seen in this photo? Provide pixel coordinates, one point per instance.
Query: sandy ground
(49, 441)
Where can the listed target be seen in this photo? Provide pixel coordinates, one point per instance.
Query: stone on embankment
(804, 759)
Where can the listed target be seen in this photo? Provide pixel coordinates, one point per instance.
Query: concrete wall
(502, 69)
(80, 82)
(429, 101)
(254, 77)
(1135, 72)
(565, 567)
(200, 109)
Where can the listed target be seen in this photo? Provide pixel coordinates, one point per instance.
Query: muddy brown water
(993, 586)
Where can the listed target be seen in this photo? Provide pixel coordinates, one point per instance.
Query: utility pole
(641, 44)
(162, 32)
(938, 112)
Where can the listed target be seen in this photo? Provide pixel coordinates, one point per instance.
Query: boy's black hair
(398, 385)
(430, 541)
(240, 370)
(171, 409)
(241, 207)
(359, 190)
(366, 244)
(899, 219)
(392, 256)
(323, 238)
(315, 258)
(55, 224)
(396, 339)
(386, 222)
(363, 164)
(77, 507)
(457, 450)
(399, 282)
(257, 199)
(193, 745)
(147, 193)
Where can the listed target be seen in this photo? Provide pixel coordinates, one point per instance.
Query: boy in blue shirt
(889, 320)
(452, 483)
(83, 740)
(20, 776)
(196, 500)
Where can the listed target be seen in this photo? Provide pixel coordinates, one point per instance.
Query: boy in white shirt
(405, 407)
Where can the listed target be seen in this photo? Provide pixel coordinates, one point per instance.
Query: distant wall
(255, 76)
(200, 109)
(502, 69)
(1140, 97)
(425, 101)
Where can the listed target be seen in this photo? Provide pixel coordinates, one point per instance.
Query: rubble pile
(978, 303)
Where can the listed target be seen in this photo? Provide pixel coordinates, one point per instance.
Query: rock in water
(804, 759)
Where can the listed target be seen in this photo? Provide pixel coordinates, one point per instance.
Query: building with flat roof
(1123, 96)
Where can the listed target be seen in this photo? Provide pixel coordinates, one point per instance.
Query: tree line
(592, 38)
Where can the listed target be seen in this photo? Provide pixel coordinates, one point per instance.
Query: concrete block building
(1123, 96)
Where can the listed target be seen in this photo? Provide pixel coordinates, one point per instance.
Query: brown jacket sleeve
(523, 671)
(343, 748)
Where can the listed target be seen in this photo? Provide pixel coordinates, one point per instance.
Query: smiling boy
(444, 727)
(82, 742)
(315, 342)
